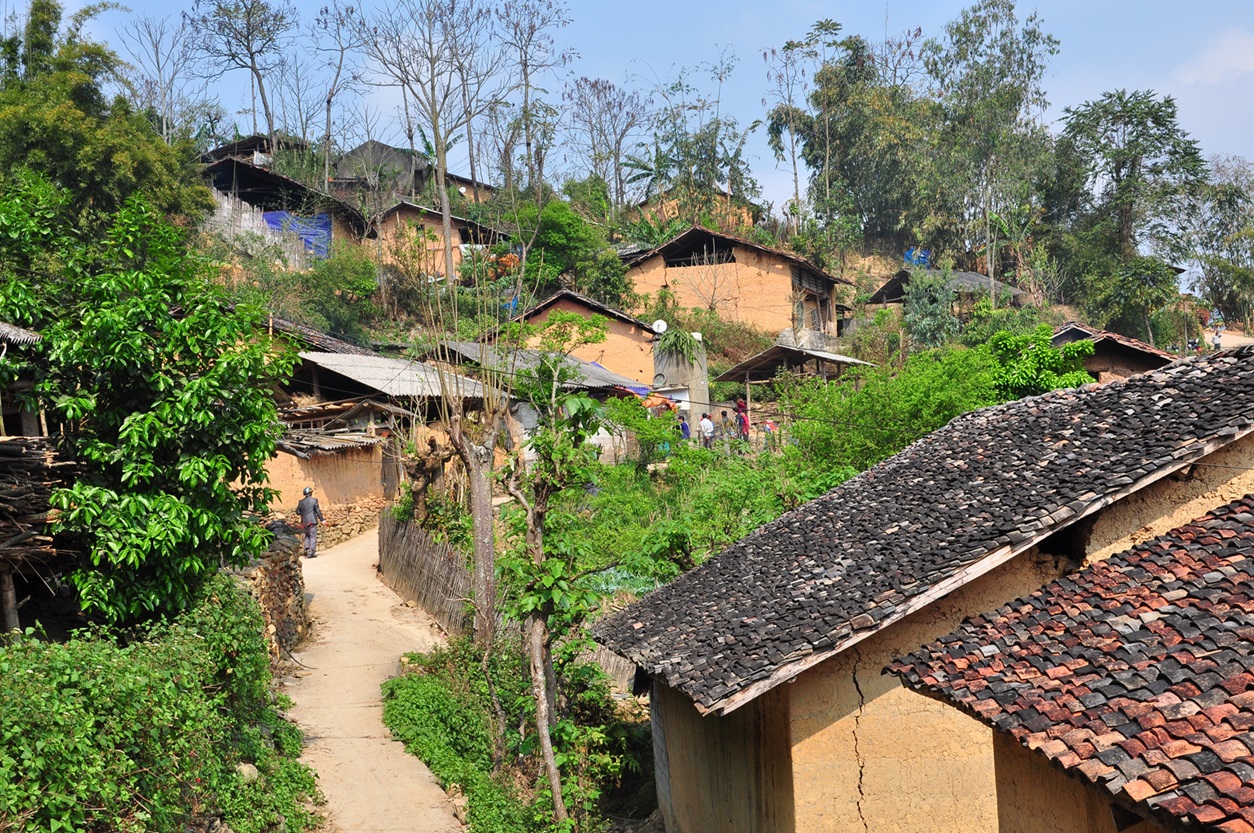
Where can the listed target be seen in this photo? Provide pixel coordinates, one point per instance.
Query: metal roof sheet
(397, 377)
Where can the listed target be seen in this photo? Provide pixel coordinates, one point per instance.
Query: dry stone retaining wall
(278, 583)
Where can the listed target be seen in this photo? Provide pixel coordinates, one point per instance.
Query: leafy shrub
(99, 735)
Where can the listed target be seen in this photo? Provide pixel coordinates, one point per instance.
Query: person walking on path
(685, 430)
(310, 517)
(707, 431)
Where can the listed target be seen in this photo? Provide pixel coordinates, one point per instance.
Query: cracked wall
(869, 755)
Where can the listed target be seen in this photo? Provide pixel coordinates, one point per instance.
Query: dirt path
(361, 629)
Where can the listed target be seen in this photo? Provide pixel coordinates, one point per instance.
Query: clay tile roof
(1135, 675)
(952, 506)
(10, 334)
(1074, 331)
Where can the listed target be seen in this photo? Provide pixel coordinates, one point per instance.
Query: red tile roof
(1135, 675)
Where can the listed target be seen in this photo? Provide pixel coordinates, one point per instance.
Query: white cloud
(1224, 59)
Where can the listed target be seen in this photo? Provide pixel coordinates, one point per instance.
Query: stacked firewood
(29, 471)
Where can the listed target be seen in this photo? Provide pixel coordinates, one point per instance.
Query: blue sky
(1202, 53)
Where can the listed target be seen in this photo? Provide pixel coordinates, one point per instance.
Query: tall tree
(1141, 165)
(1221, 232)
(786, 118)
(603, 120)
(988, 71)
(527, 28)
(417, 45)
(249, 35)
(340, 33)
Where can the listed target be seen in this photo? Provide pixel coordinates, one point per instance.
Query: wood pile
(29, 471)
(278, 584)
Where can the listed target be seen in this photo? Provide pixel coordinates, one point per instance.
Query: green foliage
(136, 737)
(928, 309)
(873, 415)
(570, 251)
(1028, 364)
(442, 715)
(678, 343)
(163, 391)
(986, 321)
(655, 435)
(55, 119)
(1125, 299)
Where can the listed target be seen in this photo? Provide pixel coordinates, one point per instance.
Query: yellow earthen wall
(398, 226)
(1033, 797)
(721, 774)
(868, 754)
(756, 289)
(626, 349)
(337, 479)
(1221, 477)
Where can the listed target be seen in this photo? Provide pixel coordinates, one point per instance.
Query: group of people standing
(729, 427)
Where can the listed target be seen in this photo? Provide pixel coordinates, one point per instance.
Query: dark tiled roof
(320, 341)
(634, 258)
(591, 303)
(10, 334)
(1135, 675)
(1074, 331)
(953, 505)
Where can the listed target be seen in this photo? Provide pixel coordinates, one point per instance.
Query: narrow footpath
(361, 628)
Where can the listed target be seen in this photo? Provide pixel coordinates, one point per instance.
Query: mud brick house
(1133, 677)
(628, 346)
(1114, 356)
(408, 231)
(742, 281)
(769, 709)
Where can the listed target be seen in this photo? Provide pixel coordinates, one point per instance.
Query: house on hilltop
(1114, 356)
(628, 346)
(743, 281)
(412, 236)
(251, 199)
(1133, 677)
(769, 709)
(965, 285)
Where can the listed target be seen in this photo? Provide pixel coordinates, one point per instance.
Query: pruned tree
(249, 35)
(603, 121)
(526, 28)
(418, 46)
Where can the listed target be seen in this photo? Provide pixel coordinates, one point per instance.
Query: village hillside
(401, 430)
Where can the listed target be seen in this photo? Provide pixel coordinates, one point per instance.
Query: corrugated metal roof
(397, 377)
(16, 335)
(591, 376)
(307, 443)
(764, 365)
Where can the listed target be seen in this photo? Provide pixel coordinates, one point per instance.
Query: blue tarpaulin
(314, 232)
(919, 257)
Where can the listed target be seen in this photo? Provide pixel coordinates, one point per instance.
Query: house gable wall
(338, 479)
(755, 289)
(627, 349)
(393, 229)
(870, 754)
(1033, 797)
(716, 774)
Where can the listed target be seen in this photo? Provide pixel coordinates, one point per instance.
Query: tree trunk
(537, 638)
(483, 534)
(8, 602)
(326, 148)
(265, 107)
(446, 211)
(470, 141)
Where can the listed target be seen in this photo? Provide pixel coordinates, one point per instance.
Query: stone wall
(344, 522)
(278, 584)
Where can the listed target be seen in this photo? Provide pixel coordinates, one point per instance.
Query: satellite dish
(659, 326)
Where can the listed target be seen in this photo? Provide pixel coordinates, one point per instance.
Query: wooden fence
(432, 574)
(426, 571)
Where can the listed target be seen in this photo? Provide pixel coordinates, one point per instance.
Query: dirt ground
(361, 629)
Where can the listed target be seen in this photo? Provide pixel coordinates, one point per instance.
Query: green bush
(101, 733)
(441, 714)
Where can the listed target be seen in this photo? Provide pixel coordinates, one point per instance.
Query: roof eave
(732, 702)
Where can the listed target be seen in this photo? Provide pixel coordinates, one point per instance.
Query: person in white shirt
(707, 431)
